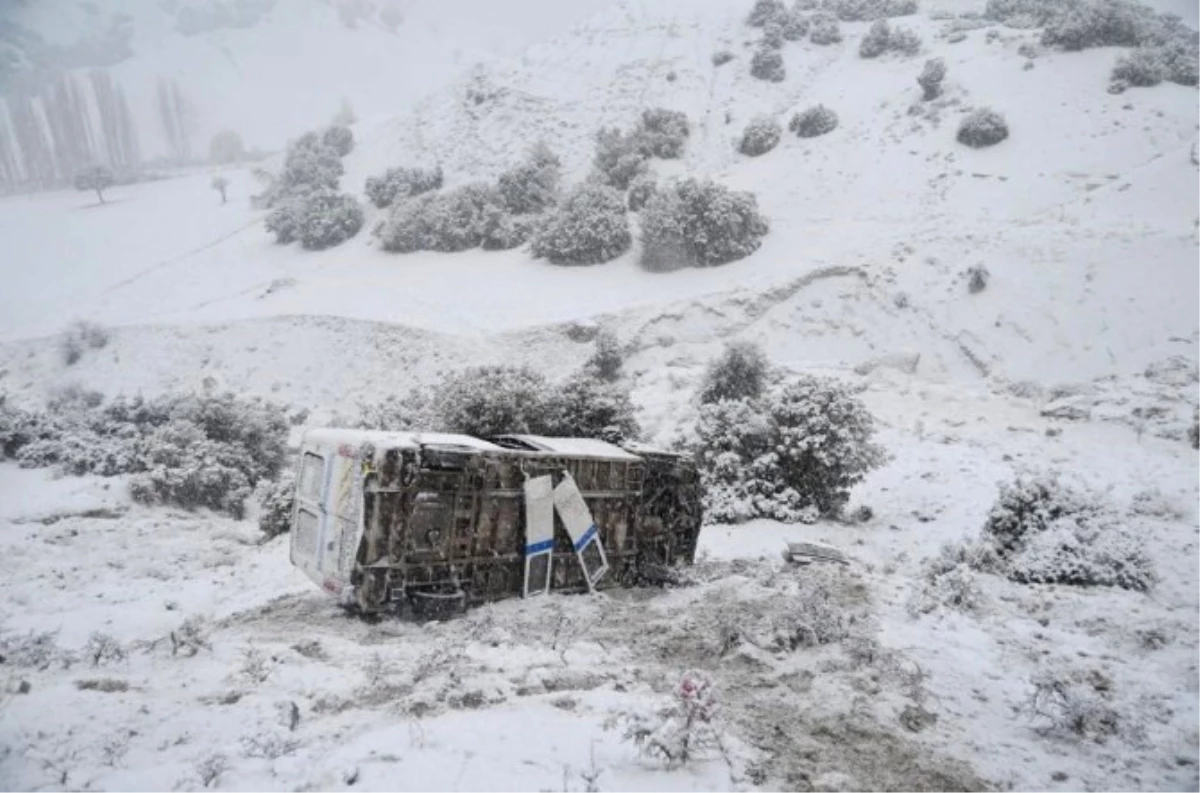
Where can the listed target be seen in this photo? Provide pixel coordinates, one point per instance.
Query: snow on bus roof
(407, 440)
(576, 447)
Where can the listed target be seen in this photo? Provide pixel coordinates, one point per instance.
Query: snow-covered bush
(1024, 13)
(188, 451)
(699, 224)
(81, 336)
(824, 30)
(875, 43)
(977, 278)
(1193, 431)
(309, 166)
(1074, 704)
(619, 158)
(663, 133)
(981, 128)
(641, 188)
(502, 231)
(1042, 531)
(794, 25)
(97, 178)
(327, 219)
(275, 505)
(1181, 60)
(586, 407)
(765, 11)
(448, 221)
(791, 456)
(20, 428)
(869, 10)
(589, 227)
(772, 37)
(339, 139)
(684, 731)
(606, 362)
(722, 57)
(531, 186)
(394, 413)
(930, 79)
(904, 41)
(814, 617)
(399, 183)
(33, 650)
(741, 371)
(1143, 67)
(813, 122)
(1104, 23)
(767, 64)
(949, 580)
(492, 400)
(760, 136)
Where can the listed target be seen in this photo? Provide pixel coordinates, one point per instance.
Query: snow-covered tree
(981, 128)
(640, 189)
(767, 64)
(760, 136)
(396, 183)
(699, 223)
(607, 360)
(97, 177)
(813, 122)
(619, 158)
(220, 184)
(663, 133)
(448, 221)
(328, 219)
(765, 11)
(585, 407)
(339, 139)
(740, 372)
(533, 185)
(492, 400)
(824, 30)
(589, 227)
(875, 43)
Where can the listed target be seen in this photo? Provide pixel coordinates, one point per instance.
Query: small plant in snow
(32, 650)
(813, 122)
(761, 135)
(686, 730)
(275, 506)
(190, 638)
(606, 362)
(268, 747)
(824, 30)
(1074, 705)
(103, 649)
(699, 224)
(977, 279)
(931, 77)
(814, 619)
(1154, 503)
(210, 769)
(1194, 430)
(981, 128)
(721, 57)
(767, 64)
(590, 227)
(948, 580)
(254, 666)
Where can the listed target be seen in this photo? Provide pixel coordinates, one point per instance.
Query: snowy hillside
(1079, 354)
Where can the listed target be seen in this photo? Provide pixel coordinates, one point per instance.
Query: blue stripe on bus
(538, 547)
(587, 535)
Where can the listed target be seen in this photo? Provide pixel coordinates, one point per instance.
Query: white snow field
(228, 670)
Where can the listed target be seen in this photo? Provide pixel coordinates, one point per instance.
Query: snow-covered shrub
(981, 128)
(930, 78)
(740, 372)
(80, 336)
(1156, 504)
(699, 224)
(722, 57)
(619, 158)
(813, 122)
(309, 165)
(338, 139)
(20, 428)
(1043, 531)
(33, 650)
(1193, 431)
(399, 183)
(904, 41)
(977, 278)
(641, 188)
(1025, 13)
(448, 221)
(394, 413)
(492, 400)
(502, 231)
(586, 407)
(589, 227)
(814, 617)
(794, 25)
(824, 30)
(103, 649)
(1074, 704)
(869, 10)
(275, 505)
(772, 37)
(684, 731)
(531, 186)
(663, 133)
(765, 11)
(791, 456)
(948, 580)
(1181, 60)
(327, 219)
(606, 362)
(875, 43)
(1104, 23)
(760, 136)
(1143, 67)
(767, 64)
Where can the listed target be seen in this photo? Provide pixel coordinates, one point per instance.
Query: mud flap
(539, 535)
(585, 537)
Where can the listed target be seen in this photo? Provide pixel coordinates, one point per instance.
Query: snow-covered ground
(1086, 219)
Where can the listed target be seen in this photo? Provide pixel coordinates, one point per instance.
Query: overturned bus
(434, 523)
